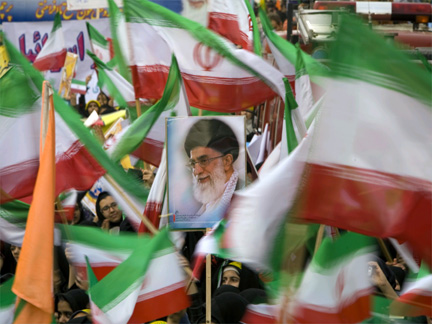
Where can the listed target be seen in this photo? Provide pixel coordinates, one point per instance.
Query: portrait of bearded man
(212, 149)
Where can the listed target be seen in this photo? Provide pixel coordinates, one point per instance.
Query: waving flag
(80, 159)
(339, 272)
(123, 273)
(368, 169)
(416, 297)
(53, 53)
(34, 289)
(217, 75)
(13, 219)
(100, 46)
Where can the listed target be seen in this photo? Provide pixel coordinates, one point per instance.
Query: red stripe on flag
(413, 303)
(54, 61)
(159, 306)
(227, 26)
(253, 317)
(355, 312)
(209, 93)
(150, 151)
(368, 202)
(76, 168)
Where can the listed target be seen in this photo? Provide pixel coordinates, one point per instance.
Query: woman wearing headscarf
(68, 303)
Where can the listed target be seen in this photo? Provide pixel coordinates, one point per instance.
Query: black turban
(214, 134)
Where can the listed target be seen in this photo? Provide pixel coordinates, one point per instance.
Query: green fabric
(97, 238)
(290, 105)
(13, 82)
(115, 17)
(373, 60)
(73, 121)
(195, 112)
(7, 297)
(57, 22)
(139, 129)
(288, 50)
(255, 30)
(15, 212)
(96, 36)
(128, 276)
(332, 253)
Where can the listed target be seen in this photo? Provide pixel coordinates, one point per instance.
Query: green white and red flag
(217, 75)
(261, 313)
(78, 86)
(13, 219)
(416, 297)
(53, 53)
(338, 271)
(132, 273)
(80, 159)
(368, 169)
(100, 45)
(7, 302)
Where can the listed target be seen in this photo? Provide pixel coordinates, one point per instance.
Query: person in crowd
(110, 217)
(92, 105)
(212, 148)
(106, 105)
(68, 303)
(237, 275)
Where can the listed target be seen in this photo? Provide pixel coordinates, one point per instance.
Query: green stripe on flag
(138, 131)
(290, 105)
(255, 29)
(96, 36)
(15, 212)
(125, 278)
(396, 72)
(7, 297)
(57, 22)
(332, 253)
(288, 50)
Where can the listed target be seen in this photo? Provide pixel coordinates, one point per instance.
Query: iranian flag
(7, 302)
(368, 169)
(217, 75)
(230, 19)
(146, 136)
(78, 86)
(132, 272)
(335, 287)
(100, 46)
(416, 296)
(261, 313)
(80, 159)
(53, 53)
(113, 83)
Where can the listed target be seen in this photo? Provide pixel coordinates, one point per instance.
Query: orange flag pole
(33, 282)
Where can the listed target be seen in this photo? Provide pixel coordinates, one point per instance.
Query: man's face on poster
(209, 173)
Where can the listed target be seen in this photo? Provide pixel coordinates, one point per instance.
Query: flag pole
(143, 218)
(138, 107)
(208, 286)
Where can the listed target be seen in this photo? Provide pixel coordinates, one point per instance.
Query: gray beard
(212, 190)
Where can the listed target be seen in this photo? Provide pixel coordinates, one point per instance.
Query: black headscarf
(99, 213)
(76, 298)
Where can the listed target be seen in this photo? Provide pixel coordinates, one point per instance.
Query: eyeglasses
(108, 207)
(202, 162)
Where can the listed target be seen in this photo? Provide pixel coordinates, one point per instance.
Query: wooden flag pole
(138, 107)
(384, 250)
(319, 238)
(144, 218)
(208, 286)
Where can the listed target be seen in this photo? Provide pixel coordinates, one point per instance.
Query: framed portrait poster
(206, 164)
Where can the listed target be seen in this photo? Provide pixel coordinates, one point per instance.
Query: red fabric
(368, 202)
(53, 61)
